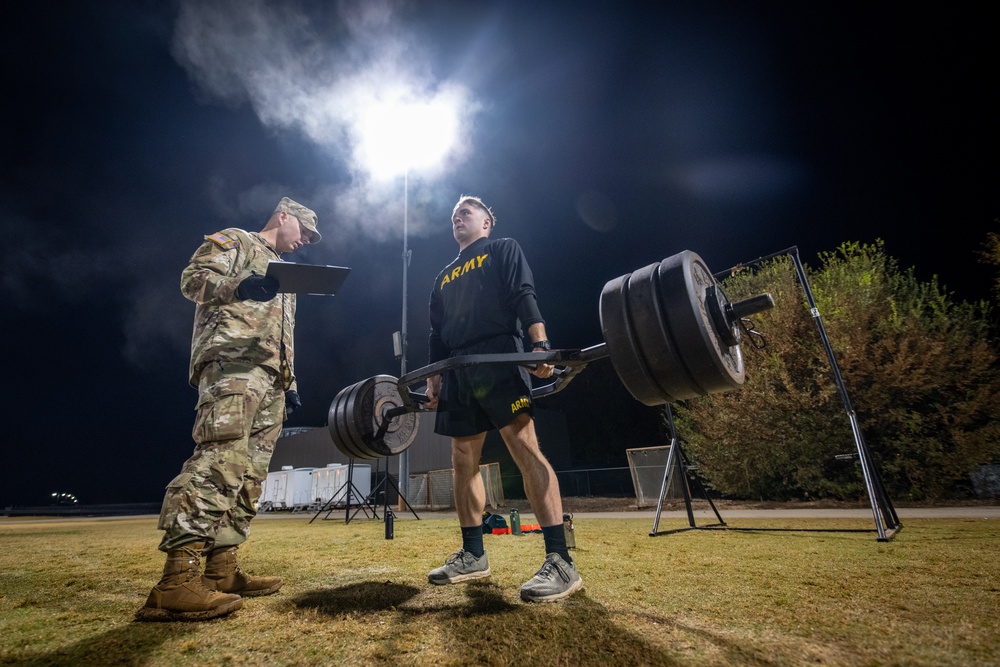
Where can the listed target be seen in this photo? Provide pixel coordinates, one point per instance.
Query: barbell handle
(568, 362)
(415, 397)
(751, 306)
(572, 360)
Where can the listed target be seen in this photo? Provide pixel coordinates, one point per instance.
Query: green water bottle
(515, 521)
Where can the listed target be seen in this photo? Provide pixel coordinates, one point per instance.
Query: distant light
(64, 498)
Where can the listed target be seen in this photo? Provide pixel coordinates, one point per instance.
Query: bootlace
(191, 552)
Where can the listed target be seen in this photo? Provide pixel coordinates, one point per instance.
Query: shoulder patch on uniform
(221, 240)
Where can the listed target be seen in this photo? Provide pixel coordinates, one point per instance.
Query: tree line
(920, 367)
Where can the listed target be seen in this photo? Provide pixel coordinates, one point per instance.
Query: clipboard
(307, 278)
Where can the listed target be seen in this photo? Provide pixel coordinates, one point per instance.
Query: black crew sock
(472, 541)
(555, 541)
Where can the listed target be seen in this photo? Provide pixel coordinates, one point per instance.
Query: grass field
(931, 596)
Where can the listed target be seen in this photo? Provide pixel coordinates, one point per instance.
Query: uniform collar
(475, 245)
(270, 247)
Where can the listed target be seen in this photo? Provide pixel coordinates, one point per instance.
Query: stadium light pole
(398, 134)
(404, 343)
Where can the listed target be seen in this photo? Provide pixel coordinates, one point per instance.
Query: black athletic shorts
(476, 399)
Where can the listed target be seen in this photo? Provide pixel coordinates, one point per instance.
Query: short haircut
(478, 203)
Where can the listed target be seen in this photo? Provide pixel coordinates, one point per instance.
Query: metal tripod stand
(676, 457)
(383, 485)
(350, 491)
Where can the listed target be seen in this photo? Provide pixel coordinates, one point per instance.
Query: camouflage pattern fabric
(306, 216)
(242, 361)
(240, 412)
(226, 329)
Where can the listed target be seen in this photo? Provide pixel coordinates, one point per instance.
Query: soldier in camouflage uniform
(242, 362)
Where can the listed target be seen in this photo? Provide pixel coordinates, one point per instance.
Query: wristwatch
(541, 345)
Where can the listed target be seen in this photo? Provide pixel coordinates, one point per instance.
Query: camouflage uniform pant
(240, 412)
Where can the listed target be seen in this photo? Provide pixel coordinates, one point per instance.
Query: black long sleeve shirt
(486, 292)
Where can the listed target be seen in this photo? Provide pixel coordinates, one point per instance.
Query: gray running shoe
(460, 566)
(557, 579)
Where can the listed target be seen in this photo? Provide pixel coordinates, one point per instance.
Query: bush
(920, 369)
(991, 255)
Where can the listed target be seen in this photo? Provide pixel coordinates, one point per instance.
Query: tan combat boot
(181, 594)
(223, 573)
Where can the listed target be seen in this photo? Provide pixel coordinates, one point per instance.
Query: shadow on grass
(486, 628)
(576, 631)
(364, 597)
(380, 596)
(580, 631)
(130, 644)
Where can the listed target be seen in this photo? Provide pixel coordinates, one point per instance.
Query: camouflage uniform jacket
(227, 329)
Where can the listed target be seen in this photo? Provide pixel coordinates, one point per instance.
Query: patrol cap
(306, 216)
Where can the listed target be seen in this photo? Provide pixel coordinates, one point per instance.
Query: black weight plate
(364, 421)
(714, 366)
(366, 408)
(356, 419)
(616, 326)
(360, 416)
(653, 336)
(334, 422)
(337, 423)
(349, 415)
(402, 429)
(333, 419)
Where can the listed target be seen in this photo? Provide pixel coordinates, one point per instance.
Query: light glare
(397, 133)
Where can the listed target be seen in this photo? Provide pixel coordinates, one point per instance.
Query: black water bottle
(388, 524)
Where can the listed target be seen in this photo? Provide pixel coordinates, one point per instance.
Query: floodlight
(397, 132)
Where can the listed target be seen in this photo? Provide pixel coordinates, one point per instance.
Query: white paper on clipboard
(308, 278)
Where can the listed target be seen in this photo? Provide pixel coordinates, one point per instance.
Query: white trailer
(288, 488)
(273, 489)
(329, 484)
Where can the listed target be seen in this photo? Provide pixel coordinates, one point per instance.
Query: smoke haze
(323, 73)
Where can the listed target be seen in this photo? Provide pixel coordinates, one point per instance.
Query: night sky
(606, 136)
